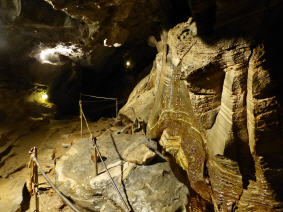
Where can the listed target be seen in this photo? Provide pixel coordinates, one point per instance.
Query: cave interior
(180, 102)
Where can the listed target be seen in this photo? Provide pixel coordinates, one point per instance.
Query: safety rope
(81, 118)
(109, 175)
(68, 202)
(103, 98)
(37, 166)
(98, 97)
(82, 115)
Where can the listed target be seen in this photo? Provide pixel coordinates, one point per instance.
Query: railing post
(116, 105)
(35, 180)
(95, 158)
(81, 117)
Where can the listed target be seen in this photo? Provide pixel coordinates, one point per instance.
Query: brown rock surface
(217, 106)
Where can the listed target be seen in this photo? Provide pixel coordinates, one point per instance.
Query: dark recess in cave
(44, 13)
(117, 81)
(179, 11)
(110, 77)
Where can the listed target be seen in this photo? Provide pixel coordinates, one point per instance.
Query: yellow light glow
(44, 97)
(128, 63)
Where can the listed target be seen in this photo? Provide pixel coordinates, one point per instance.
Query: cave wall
(214, 95)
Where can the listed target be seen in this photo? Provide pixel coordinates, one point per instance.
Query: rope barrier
(98, 97)
(36, 166)
(109, 175)
(33, 153)
(80, 103)
(104, 98)
(68, 202)
(82, 115)
(93, 101)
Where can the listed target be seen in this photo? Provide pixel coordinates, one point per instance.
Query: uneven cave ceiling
(82, 45)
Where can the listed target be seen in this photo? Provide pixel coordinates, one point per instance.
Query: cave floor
(52, 138)
(139, 170)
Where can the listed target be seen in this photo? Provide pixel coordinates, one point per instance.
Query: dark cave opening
(179, 11)
(44, 13)
(115, 78)
(111, 77)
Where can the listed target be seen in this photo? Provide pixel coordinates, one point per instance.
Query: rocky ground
(142, 174)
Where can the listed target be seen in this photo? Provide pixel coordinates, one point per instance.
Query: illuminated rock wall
(216, 107)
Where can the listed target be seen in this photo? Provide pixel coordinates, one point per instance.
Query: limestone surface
(217, 106)
(144, 187)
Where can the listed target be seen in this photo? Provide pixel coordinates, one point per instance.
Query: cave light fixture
(128, 64)
(44, 97)
(40, 96)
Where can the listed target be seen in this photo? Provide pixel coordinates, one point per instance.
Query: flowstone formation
(215, 106)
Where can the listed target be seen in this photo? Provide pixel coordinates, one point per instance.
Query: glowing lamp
(44, 96)
(128, 63)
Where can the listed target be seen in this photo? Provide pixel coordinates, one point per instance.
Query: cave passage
(183, 99)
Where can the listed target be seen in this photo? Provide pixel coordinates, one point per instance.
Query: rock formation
(213, 98)
(144, 186)
(215, 104)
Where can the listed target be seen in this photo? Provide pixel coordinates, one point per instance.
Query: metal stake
(95, 159)
(116, 101)
(109, 175)
(35, 181)
(81, 117)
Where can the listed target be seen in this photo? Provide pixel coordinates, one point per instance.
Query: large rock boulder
(148, 187)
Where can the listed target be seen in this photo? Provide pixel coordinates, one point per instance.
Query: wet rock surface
(148, 187)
